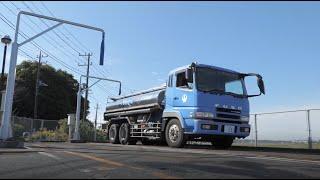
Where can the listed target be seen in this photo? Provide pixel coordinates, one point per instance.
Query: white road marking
(49, 155)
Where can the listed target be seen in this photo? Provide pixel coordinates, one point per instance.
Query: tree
(54, 101)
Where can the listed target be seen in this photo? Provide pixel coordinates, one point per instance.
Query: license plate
(229, 129)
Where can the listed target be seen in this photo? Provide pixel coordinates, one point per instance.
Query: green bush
(86, 130)
(61, 134)
(18, 130)
(101, 136)
(49, 135)
(63, 126)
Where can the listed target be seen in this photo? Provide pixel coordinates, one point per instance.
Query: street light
(5, 40)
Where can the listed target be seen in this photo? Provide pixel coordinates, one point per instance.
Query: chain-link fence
(290, 129)
(35, 124)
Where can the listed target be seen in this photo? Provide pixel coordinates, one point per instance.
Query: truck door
(183, 92)
(169, 91)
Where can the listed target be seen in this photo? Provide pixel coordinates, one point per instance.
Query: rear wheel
(124, 135)
(222, 142)
(114, 134)
(175, 134)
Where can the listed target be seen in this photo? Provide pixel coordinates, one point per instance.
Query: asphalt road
(94, 160)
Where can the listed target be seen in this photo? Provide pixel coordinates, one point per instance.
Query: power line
(79, 42)
(35, 44)
(10, 24)
(52, 30)
(41, 12)
(49, 26)
(52, 39)
(83, 46)
(97, 70)
(25, 53)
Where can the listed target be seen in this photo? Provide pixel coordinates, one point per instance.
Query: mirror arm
(254, 95)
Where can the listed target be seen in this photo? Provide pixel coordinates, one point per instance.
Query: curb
(18, 151)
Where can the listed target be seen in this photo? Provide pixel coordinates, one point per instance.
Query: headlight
(244, 118)
(202, 115)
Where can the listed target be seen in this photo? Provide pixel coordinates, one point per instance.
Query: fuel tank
(151, 98)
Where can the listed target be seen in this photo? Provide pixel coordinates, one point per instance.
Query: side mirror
(260, 84)
(189, 75)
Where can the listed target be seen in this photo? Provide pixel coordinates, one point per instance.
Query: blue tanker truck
(198, 102)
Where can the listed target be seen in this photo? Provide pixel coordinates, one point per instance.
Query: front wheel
(174, 134)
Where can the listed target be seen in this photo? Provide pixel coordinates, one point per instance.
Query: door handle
(175, 98)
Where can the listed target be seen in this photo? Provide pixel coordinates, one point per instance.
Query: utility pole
(95, 124)
(76, 135)
(87, 82)
(35, 112)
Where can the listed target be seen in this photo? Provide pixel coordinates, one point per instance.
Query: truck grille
(235, 111)
(225, 113)
(228, 116)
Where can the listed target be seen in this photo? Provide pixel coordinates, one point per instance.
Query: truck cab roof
(202, 65)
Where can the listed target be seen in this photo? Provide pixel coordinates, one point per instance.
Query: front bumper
(195, 126)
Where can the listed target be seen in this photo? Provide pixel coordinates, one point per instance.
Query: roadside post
(71, 123)
(256, 130)
(309, 130)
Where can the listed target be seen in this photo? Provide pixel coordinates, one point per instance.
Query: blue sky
(145, 40)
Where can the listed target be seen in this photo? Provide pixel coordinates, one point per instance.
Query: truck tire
(222, 142)
(114, 134)
(124, 135)
(174, 134)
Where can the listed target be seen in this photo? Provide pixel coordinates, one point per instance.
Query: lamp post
(6, 40)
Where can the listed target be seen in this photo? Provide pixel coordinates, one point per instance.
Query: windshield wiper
(219, 91)
(234, 94)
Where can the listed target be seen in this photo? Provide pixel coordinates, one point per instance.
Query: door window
(182, 81)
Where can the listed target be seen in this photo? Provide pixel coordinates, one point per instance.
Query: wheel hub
(112, 133)
(174, 133)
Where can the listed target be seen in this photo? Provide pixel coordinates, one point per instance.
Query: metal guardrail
(281, 112)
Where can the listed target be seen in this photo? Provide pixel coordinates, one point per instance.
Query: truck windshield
(221, 82)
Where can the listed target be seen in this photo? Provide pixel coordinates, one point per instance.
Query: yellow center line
(109, 162)
(95, 158)
(164, 176)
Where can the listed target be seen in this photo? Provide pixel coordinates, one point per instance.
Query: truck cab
(210, 103)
